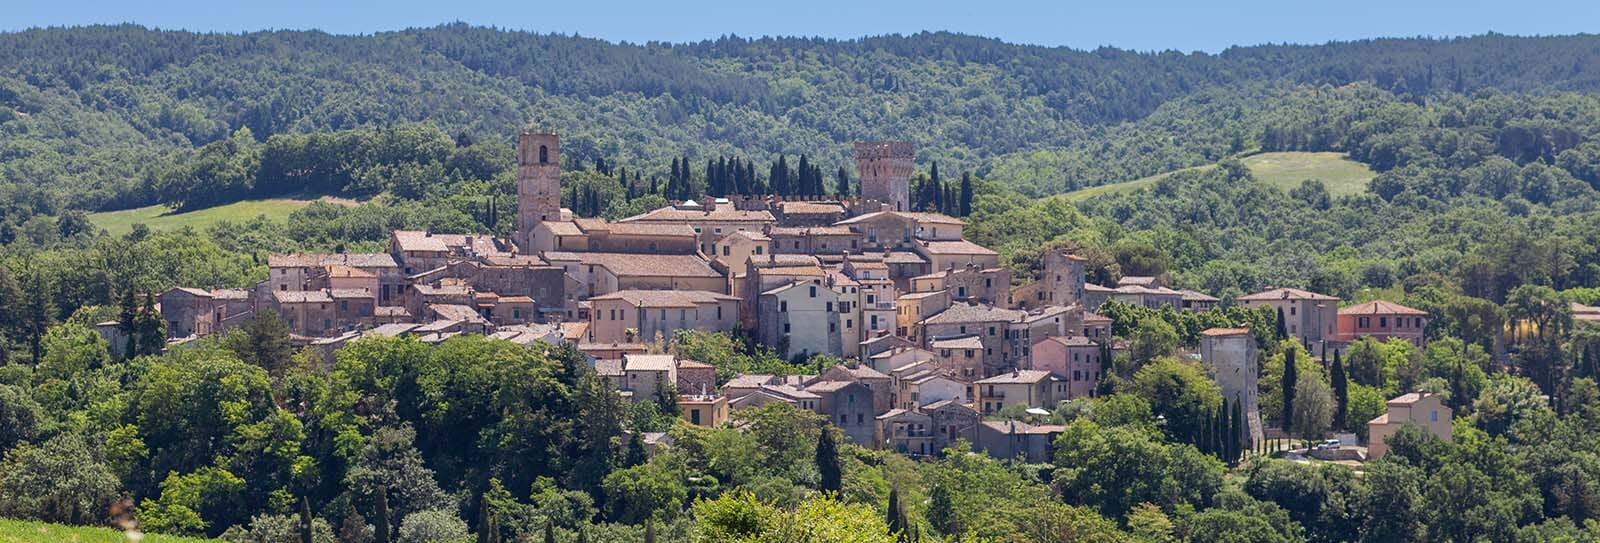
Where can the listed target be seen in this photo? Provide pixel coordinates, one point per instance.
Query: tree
(895, 515)
(1289, 384)
(1313, 406)
(380, 515)
(1282, 326)
(1341, 392)
(828, 464)
(61, 481)
(966, 194)
(431, 526)
(841, 186)
(1182, 393)
(1153, 338)
(305, 520)
(263, 341)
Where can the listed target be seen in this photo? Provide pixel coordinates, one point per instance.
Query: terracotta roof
(1096, 318)
(230, 294)
(320, 260)
(1193, 296)
(637, 228)
(350, 293)
(931, 218)
(419, 241)
(666, 298)
(1285, 294)
(863, 372)
(644, 265)
(964, 342)
(1409, 398)
(974, 313)
(960, 247)
(343, 271)
(828, 386)
(1141, 280)
(1091, 287)
(391, 311)
(301, 296)
(1381, 307)
(1046, 312)
(720, 214)
(903, 257)
(1225, 331)
(516, 300)
(749, 380)
(802, 231)
(455, 312)
(573, 331)
(608, 368)
(685, 363)
(508, 261)
(1072, 341)
(563, 228)
(1016, 377)
(811, 208)
(203, 293)
(779, 261)
(920, 295)
(751, 235)
(649, 362)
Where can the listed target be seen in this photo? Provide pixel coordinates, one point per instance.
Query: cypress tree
(649, 530)
(127, 322)
(1341, 391)
(380, 516)
(966, 194)
(1236, 433)
(841, 186)
(305, 520)
(1221, 434)
(805, 176)
(483, 519)
(1290, 376)
(549, 532)
(1283, 326)
(828, 463)
(896, 515)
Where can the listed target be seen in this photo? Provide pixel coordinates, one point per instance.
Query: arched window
(544, 155)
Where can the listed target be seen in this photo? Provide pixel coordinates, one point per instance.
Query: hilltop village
(936, 336)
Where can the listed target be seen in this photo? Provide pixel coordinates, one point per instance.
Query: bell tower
(884, 168)
(538, 182)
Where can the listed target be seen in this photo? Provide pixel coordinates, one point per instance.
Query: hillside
(20, 531)
(101, 118)
(1284, 170)
(160, 217)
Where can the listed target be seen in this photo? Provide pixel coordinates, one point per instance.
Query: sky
(1147, 25)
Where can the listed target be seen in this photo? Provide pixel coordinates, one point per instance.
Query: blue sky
(1133, 24)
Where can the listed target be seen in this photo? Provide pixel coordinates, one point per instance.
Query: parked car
(1328, 444)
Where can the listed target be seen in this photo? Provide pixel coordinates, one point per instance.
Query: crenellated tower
(538, 182)
(884, 168)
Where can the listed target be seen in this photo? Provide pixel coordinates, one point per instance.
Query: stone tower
(538, 182)
(1063, 276)
(1230, 355)
(884, 168)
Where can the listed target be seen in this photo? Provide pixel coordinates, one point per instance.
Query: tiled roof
(563, 228)
(320, 260)
(749, 380)
(1381, 307)
(1091, 287)
(828, 386)
(1225, 331)
(958, 247)
(230, 294)
(811, 208)
(649, 265)
(418, 241)
(1016, 377)
(343, 271)
(649, 362)
(1193, 296)
(665, 298)
(720, 214)
(456, 312)
(812, 231)
(931, 218)
(637, 228)
(903, 257)
(1096, 318)
(1285, 294)
(350, 293)
(964, 342)
(1073, 341)
(300, 296)
(974, 313)
(685, 363)
(200, 292)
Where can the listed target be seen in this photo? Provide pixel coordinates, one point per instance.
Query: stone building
(1075, 360)
(1422, 409)
(642, 315)
(1382, 320)
(884, 168)
(1310, 317)
(538, 182)
(1230, 355)
(804, 317)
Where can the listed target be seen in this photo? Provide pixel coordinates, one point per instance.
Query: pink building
(1382, 320)
(1075, 360)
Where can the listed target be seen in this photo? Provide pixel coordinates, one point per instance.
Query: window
(760, 249)
(1383, 322)
(663, 314)
(1361, 322)
(843, 419)
(813, 291)
(719, 312)
(786, 328)
(1291, 310)
(783, 306)
(832, 326)
(860, 419)
(828, 306)
(544, 155)
(991, 330)
(872, 298)
(724, 250)
(1433, 416)
(694, 416)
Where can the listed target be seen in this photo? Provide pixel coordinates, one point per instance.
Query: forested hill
(99, 117)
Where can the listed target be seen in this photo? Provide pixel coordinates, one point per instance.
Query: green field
(1286, 170)
(160, 217)
(23, 531)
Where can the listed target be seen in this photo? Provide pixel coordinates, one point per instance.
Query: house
(926, 383)
(297, 271)
(967, 283)
(814, 240)
(1010, 439)
(1060, 283)
(603, 273)
(1585, 313)
(703, 410)
(645, 374)
(188, 312)
(1310, 317)
(801, 318)
(952, 421)
(641, 315)
(991, 324)
(1147, 297)
(732, 253)
(881, 385)
(710, 220)
(1230, 356)
(907, 432)
(848, 405)
(594, 234)
(946, 254)
(898, 356)
(1426, 410)
(822, 213)
(696, 378)
(1042, 322)
(307, 312)
(1196, 301)
(913, 308)
(1027, 388)
(1076, 360)
(962, 356)
(1382, 320)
